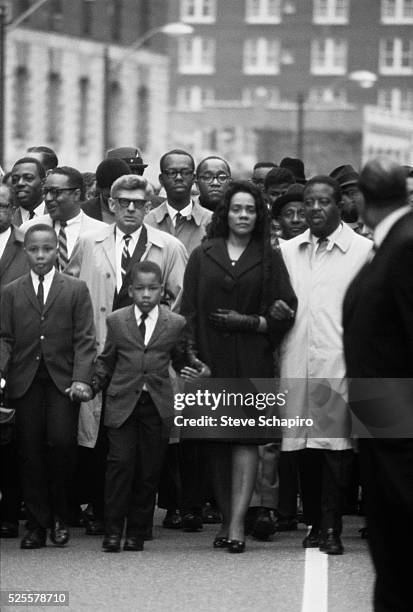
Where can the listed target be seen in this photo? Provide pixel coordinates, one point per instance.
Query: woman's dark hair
(218, 228)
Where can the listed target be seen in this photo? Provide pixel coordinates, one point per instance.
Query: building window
(142, 132)
(397, 11)
(53, 108)
(115, 19)
(330, 11)
(198, 11)
(194, 98)
(263, 11)
(261, 56)
(270, 95)
(396, 56)
(87, 17)
(114, 115)
(21, 103)
(327, 95)
(396, 100)
(84, 90)
(329, 56)
(56, 15)
(196, 55)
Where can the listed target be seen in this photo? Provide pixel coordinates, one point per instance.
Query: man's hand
(231, 320)
(281, 311)
(80, 392)
(193, 373)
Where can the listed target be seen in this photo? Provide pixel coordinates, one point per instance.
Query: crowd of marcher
(115, 294)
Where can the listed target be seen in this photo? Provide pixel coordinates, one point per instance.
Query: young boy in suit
(141, 340)
(47, 352)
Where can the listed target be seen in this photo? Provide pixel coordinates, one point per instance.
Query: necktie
(40, 291)
(31, 214)
(62, 255)
(142, 326)
(125, 256)
(321, 245)
(179, 221)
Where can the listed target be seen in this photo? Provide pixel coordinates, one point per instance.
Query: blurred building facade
(234, 83)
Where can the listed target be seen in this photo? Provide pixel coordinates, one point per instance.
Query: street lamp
(6, 26)
(363, 78)
(173, 29)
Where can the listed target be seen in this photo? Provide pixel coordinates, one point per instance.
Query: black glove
(231, 320)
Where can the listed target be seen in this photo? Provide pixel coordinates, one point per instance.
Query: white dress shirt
(4, 236)
(150, 321)
(38, 211)
(185, 212)
(47, 282)
(119, 243)
(72, 231)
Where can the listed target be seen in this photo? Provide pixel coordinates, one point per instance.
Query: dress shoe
(34, 538)
(133, 543)
(312, 540)
(111, 542)
(9, 530)
(220, 542)
(286, 523)
(264, 525)
(363, 533)
(148, 535)
(236, 546)
(211, 515)
(191, 522)
(59, 533)
(330, 543)
(172, 520)
(95, 527)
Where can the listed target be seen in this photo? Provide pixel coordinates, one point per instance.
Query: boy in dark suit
(141, 340)
(47, 351)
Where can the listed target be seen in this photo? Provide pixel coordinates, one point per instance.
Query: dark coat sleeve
(281, 290)
(106, 361)
(6, 329)
(190, 293)
(84, 337)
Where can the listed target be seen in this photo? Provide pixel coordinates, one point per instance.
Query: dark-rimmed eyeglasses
(208, 177)
(56, 191)
(184, 172)
(126, 202)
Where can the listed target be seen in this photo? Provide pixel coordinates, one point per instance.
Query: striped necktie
(62, 255)
(124, 264)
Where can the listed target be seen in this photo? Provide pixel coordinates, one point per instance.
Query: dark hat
(296, 166)
(277, 176)
(109, 170)
(294, 194)
(345, 175)
(131, 155)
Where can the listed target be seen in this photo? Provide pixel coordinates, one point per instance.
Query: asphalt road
(180, 572)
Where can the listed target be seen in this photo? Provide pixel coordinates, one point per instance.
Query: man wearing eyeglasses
(179, 215)
(213, 175)
(27, 176)
(63, 192)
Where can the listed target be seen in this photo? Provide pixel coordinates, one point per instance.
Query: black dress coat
(212, 282)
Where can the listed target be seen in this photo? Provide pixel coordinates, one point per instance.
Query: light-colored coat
(93, 260)
(313, 348)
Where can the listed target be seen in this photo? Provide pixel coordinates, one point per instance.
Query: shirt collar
(152, 314)
(341, 237)
(385, 225)
(47, 277)
(119, 234)
(73, 220)
(185, 212)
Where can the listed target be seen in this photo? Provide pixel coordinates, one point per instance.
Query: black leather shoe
(330, 543)
(9, 530)
(312, 540)
(94, 527)
(220, 542)
(111, 542)
(191, 522)
(363, 533)
(133, 544)
(286, 523)
(211, 515)
(236, 546)
(34, 538)
(59, 533)
(264, 525)
(172, 520)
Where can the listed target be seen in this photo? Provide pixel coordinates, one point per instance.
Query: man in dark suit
(47, 350)
(378, 343)
(13, 260)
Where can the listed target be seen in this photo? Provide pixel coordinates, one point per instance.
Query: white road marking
(315, 592)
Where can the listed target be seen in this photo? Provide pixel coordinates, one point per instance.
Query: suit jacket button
(37, 358)
(107, 275)
(42, 318)
(41, 337)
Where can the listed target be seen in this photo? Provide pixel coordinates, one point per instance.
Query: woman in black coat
(231, 281)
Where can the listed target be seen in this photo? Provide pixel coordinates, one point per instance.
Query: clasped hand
(231, 320)
(79, 391)
(281, 311)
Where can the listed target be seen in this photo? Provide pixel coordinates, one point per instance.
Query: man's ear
(111, 204)
(160, 179)
(130, 291)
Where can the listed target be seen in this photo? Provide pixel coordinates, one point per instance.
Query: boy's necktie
(40, 291)
(142, 326)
